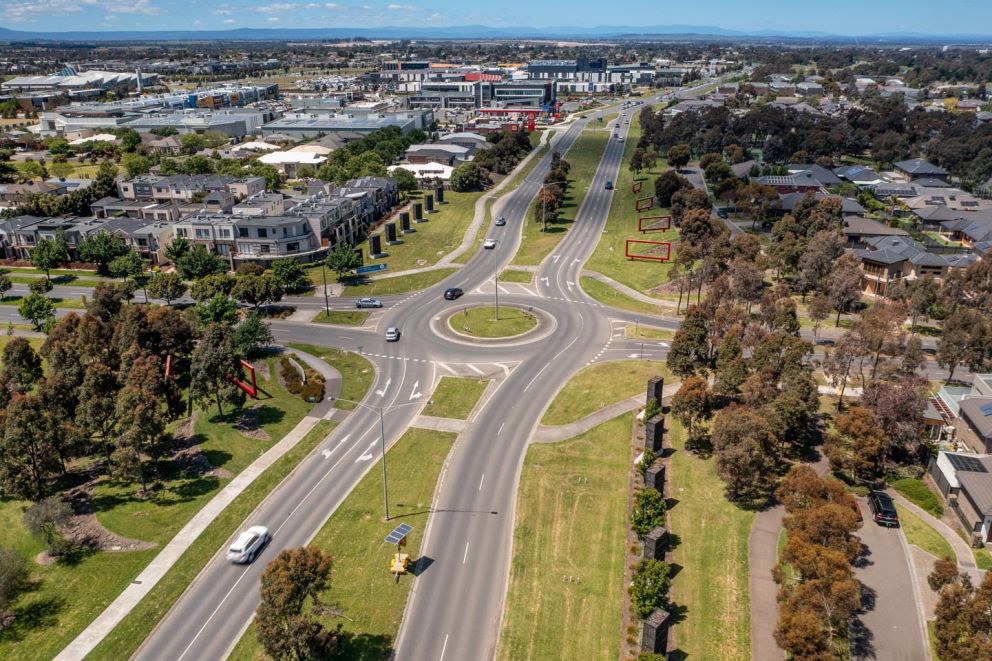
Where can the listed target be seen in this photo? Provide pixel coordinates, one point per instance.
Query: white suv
(248, 545)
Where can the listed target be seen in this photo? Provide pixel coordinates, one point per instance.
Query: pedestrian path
(112, 615)
(966, 560)
(555, 433)
(439, 424)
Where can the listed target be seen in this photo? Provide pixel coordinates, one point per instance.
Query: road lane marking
(567, 347)
(369, 453)
(328, 451)
(445, 367)
(465, 556)
(481, 481)
(444, 647)
(414, 394)
(210, 617)
(474, 368)
(382, 393)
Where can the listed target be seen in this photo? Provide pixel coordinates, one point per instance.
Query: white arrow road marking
(382, 393)
(546, 281)
(576, 260)
(327, 452)
(556, 258)
(569, 283)
(414, 394)
(368, 455)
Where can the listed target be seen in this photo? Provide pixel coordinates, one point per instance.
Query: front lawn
(917, 492)
(566, 575)
(920, 533)
(601, 385)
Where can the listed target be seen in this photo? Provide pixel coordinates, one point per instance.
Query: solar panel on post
(399, 533)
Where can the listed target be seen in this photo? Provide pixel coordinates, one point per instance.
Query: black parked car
(883, 510)
(451, 293)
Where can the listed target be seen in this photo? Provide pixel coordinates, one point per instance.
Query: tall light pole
(327, 305)
(496, 279)
(382, 440)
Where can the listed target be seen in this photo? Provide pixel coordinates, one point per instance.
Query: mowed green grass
(584, 158)
(611, 297)
(571, 520)
(357, 372)
(341, 317)
(399, 285)
(712, 585)
(68, 598)
(455, 397)
(920, 533)
(482, 321)
(516, 275)
(138, 624)
(362, 587)
(621, 224)
(642, 332)
(601, 385)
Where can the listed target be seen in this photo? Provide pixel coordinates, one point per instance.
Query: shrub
(290, 376)
(649, 512)
(652, 409)
(917, 492)
(645, 463)
(45, 519)
(649, 586)
(40, 286)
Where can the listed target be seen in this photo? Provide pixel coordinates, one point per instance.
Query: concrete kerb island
(449, 326)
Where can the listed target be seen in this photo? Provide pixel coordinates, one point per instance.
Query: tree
(831, 525)
(40, 286)
(802, 489)
(293, 579)
(744, 446)
(21, 365)
(687, 199)
(963, 624)
(844, 284)
(45, 520)
(130, 139)
(291, 275)
(405, 180)
(198, 262)
(130, 267)
(802, 634)
(101, 248)
(36, 309)
(964, 341)
(95, 413)
(257, 290)
(141, 417)
(212, 285)
(136, 165)
(343, 259)
(49, 253)
(945, 572)
(636, 161)
(757, 201)
(923, 294)
(693, 402)
(690, 350)
(818, 310)
(667, 184)
(817, 263)
(191, 142)
(252, 335)
(467, 177)
(220, 309)
(177, 248)
(899, 407)
(858, 443)
(649, 586)
(14, 579)
(649, 512)
(679, 156)
(5, 285)
(30, 455)
(214, 362)
(167, 287)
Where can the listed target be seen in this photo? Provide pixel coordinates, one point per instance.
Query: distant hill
(469, 32)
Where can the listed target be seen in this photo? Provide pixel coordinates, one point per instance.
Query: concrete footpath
(112, 615)
(555, 433)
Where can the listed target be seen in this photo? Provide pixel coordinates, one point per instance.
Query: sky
(846, 17)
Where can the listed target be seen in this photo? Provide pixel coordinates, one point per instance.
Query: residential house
(918, 168)
(859, 175)
(800, 182)
(965, 480)
(12, 195)
(446, 154)
(825, 177)
(890, 259)
(808, 89)
(848, 207)
(858, 230)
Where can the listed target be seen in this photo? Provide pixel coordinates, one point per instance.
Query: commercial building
(347, 126)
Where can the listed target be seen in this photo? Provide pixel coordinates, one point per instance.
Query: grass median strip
(601, 385)
(483, 321)
(399, 285)
(341, 317)
(621, 224)
(515, 275)
(455, 397)
(611, 297)
(362, 586)
(641, 332)
(128, 635)
(566, 575)
(584, 158)
(920, 533)
(712, 584)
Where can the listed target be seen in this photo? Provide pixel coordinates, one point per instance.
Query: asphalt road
(890, 628)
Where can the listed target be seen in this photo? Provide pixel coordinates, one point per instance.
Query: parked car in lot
(500, 221)
(392, 334)
(883, 510)
(451, 293)
(248, 545)
(368, 303)
(489, 244)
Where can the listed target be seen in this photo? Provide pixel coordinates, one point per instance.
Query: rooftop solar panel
(969, 464)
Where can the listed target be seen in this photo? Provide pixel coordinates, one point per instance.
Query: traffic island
(483, 322)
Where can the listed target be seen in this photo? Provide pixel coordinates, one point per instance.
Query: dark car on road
(722, 212)
(451, 293)
(883, 510)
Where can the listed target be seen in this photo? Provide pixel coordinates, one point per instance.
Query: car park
(368, 303)
(883, 510)
(451, 293)
(489, 244)
(392, 334)
(248, 545)
(500, 221)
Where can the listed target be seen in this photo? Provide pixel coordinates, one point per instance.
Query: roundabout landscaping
(480, 322)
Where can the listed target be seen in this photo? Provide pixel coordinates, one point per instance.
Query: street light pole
(327, 305)
(382, 448)
(496, 282)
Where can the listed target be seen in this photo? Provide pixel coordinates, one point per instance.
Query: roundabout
(481, 323)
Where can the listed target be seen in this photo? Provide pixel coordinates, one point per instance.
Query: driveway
(890, 628)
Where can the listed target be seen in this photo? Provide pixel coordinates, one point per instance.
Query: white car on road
(248, 545)
(489, 244)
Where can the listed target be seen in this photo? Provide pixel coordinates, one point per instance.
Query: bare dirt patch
(249, 424)
(85, 530)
